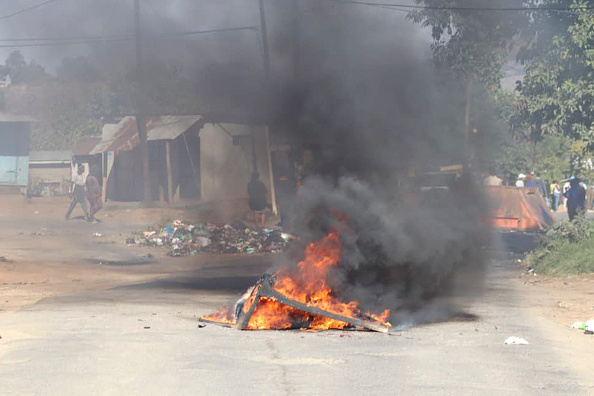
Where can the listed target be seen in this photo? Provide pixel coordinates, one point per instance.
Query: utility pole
(265, 43)
(467, 115)
(140, 106)
(266, 64)
(296, 41)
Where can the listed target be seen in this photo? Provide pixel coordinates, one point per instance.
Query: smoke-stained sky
(65, 18)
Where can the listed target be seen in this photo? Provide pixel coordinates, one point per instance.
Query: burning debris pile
(300, 297)
(358, 252)
(185, 238)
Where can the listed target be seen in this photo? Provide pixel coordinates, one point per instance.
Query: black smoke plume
(367, 101)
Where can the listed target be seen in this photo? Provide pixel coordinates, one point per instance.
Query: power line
(50, 42)
(66, 38)
(451, 8)
(26, 10)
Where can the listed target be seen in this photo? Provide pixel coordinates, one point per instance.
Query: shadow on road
(231, 284)
(518, 242)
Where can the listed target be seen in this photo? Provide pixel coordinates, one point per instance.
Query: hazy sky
(115, 17)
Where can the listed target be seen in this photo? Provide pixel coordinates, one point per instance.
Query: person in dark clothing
(542, 187)
(576, 198)
(529, 181)
(257, 192)
(78, 192)
(286, 190)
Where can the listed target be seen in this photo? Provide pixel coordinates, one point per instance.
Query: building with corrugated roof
(189, 159)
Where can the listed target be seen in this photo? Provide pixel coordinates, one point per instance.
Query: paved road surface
(97, 344)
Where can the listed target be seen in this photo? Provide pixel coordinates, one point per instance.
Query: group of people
(572, 193)
(82, 190)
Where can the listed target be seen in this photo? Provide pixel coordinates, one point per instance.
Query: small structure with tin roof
(190, 158)
(49, 172)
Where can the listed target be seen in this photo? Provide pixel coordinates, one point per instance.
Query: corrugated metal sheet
(519, 208)
(124, 136)
(50, 156)
(85, 145)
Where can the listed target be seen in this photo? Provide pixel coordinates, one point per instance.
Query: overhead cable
(47, 42)
(25, 10)
(457, 8)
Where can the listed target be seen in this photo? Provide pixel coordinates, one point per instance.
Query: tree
(77, 69)
(471, 45)
(21, 72)
(557, 92)
(72, 112)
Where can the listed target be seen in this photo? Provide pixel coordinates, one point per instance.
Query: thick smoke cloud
(416, 258)
(369, 102)
(355, 83)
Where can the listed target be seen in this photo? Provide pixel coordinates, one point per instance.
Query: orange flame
(308, 284)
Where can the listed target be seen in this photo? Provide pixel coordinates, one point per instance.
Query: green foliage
(72, 113)
(567, 249)
(575, 231)
(550, 156)
(557, 95)
(472, 45)
(21, 72)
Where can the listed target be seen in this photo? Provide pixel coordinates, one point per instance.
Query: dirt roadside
(555, 305)
(47, 256)
(42, 255)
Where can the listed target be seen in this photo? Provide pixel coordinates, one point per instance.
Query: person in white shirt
(78, 191)
(520, 181)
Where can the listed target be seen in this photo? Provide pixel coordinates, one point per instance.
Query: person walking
(564, 190)
(257, 192)
(94, 197)
(556, 192)
(77, 189)
(542, 188)
(576, 199)
(529, 181)
(520, 180)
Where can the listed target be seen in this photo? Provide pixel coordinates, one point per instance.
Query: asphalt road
(143, 339)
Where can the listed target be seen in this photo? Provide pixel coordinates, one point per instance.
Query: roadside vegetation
(567, 249)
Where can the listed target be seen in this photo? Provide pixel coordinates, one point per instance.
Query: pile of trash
(186, 238)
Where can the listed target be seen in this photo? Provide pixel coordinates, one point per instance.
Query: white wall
(225, 168)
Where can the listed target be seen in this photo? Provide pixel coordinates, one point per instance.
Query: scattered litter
(587, 326)
(147, 327)
(36, 212)
(579, 325)
(516, 341)
(96, 234)
(201, 325)
(184, 238)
